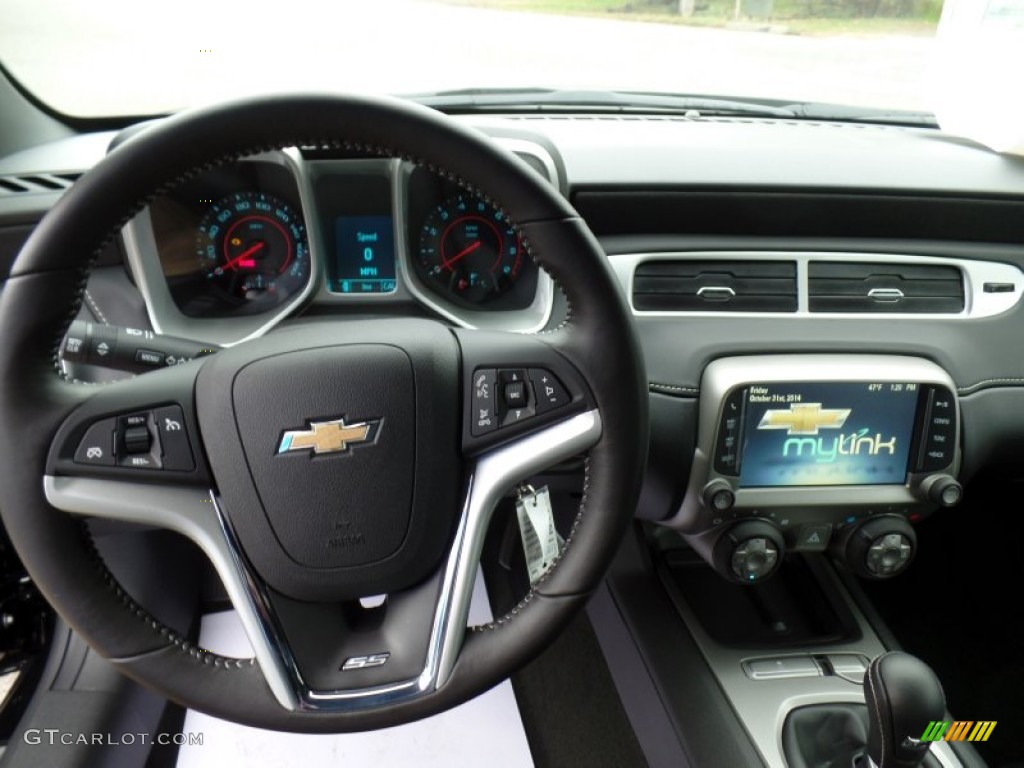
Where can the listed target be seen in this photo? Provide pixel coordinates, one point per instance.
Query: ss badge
(362, 662)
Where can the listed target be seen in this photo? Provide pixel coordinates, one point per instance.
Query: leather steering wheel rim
(48, 279)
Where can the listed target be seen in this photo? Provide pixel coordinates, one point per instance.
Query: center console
(814, 453)
(835, 457)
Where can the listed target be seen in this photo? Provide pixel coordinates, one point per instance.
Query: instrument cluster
(254, 238)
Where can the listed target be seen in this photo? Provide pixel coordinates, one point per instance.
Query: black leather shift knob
(903, 695)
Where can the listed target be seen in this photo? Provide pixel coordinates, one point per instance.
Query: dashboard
(787, 269)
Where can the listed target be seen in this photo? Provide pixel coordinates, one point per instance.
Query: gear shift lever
(903, 695)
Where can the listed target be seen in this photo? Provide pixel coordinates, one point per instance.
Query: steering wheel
(321, 463)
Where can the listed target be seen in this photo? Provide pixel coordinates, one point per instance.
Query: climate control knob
(749, 552)
(881, 548)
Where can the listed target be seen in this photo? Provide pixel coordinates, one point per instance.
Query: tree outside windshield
(124, 57)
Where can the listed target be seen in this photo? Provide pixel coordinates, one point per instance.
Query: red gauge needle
(464, 252)
(243, 255)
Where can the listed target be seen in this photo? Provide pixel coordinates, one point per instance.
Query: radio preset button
(939, 435)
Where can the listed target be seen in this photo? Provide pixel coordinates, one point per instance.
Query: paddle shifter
(903, 695)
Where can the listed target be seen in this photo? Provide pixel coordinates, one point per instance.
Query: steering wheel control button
(813, 538)
(549, 390)
(136, 443)
(97, 446)
(170, 426)
(484, 418)
(515, 394)
(515, 405)
(137, 440)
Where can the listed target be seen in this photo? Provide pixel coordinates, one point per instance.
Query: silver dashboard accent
(164, 315)
(141, 252)
(530, 320)
(196, 514)
(724, 375)
(885, 294)
(716, 292)
(977, 303)
(762, 705)
(191, 512)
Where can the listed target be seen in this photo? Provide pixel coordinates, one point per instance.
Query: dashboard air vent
(36, 182)
(715, 286)
(884, 287)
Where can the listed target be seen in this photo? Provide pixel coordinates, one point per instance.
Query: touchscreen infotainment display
(826, 433)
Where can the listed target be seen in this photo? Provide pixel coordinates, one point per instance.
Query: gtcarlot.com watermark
(54, 736)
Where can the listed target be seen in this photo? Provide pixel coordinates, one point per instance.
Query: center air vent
(715, 286)
(884, 287)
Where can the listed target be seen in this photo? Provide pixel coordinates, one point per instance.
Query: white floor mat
(485, 731)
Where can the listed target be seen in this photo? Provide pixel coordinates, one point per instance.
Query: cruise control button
(144, 461)
(548, 390)
(170, 426)
(97, 446)
(137, 440)
(483, 418)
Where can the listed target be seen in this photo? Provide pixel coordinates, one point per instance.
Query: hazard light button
(813, 538)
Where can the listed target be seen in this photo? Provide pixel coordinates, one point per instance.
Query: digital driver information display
(834, 433)
(364, 260)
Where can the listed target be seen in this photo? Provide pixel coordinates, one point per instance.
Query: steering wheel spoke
(140, 429)
(515, 385)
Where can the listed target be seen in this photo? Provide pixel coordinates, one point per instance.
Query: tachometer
(468, 249)
(252, 246)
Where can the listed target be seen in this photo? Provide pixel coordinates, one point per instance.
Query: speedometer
(468, 249)
(252, 247)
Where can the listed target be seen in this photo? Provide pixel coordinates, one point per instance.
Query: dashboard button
(97, 446)
(813, 537)
(781, 668)
(848, 666)
(483, 418)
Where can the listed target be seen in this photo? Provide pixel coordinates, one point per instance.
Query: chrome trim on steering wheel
(196, 514)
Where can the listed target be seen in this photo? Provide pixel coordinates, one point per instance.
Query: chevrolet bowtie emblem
(804, 418)
(328, 436)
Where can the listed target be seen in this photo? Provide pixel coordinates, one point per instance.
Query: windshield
(125, 57)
